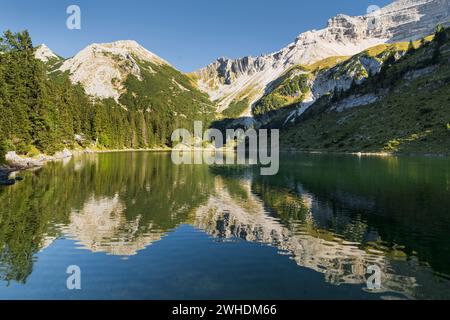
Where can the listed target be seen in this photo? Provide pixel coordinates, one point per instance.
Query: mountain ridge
(102, 68)
(231, 81)
(120, 95)
(227, 80)
(402, 108)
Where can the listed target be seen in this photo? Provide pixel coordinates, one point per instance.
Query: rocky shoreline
(16, 163)
(367, 154)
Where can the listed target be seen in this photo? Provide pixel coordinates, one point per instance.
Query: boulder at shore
(16, 161)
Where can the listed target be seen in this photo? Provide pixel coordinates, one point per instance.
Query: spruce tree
(411, 48)
(440, 36)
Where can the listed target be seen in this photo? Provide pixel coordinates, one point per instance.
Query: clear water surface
(140, 227)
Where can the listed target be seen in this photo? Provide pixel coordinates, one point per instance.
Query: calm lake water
(140, 227)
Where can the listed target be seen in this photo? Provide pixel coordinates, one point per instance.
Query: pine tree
(411, 48)
(422, 42)
(436, 58)
(440, 36)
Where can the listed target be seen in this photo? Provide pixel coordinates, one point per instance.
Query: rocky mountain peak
(126, 48)
(44, 53)
(103, 68)
(403, 20)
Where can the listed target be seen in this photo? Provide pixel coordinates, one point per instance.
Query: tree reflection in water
(335, 215)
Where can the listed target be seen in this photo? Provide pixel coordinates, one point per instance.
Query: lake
(140, 227)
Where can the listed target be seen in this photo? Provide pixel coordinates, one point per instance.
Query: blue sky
(188, 33)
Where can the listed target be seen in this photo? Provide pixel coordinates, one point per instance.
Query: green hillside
(42, 111)
(412, 113)
(287, 93)
(291, 88)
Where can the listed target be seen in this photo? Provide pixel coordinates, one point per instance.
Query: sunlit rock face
(44, 53)
(100, 226)
(403, 20)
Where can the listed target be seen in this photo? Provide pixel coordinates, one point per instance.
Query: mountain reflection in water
(336, 215)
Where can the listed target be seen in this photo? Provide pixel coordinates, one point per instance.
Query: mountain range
(273, 90)
(229, 81)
